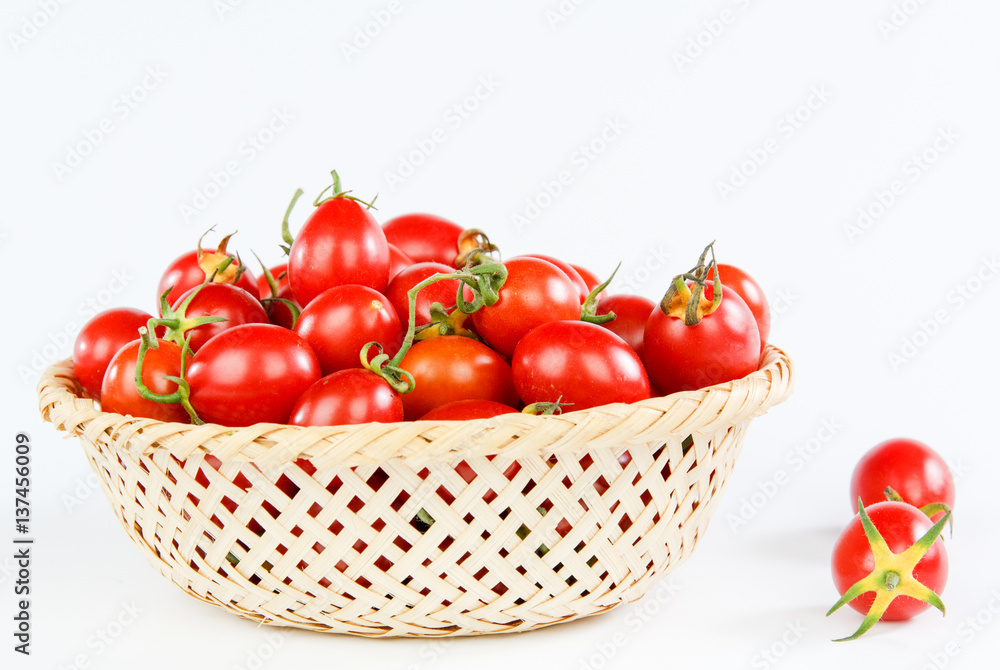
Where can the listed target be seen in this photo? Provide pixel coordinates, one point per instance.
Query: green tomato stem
(691, 298)
(148, 341)
(588, 312)
(286, 233)
(485, 281)
(892, 575)
(338, 193)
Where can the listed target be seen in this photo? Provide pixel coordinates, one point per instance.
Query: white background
(686, 93)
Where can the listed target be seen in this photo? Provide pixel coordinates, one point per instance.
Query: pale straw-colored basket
(237, 517)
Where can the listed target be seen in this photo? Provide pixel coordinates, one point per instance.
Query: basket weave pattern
(427, 528)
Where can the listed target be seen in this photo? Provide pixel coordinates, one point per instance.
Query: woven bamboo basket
(426, 528)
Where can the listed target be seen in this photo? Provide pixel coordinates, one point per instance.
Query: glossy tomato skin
(280, 314)
(589, 278)
(251, 374)
(340, 243)
(347, 397)
(724, 346)
(753, 295)
(534, 293)
(98, 342)
(900, 525)
(398, 261)
(450, 368)
(120, 395)
(631, 315)
(915, 471)
(577, 363)
(185, 273)
(339, 322)
(568, 270)
(443, 291)
(230, 302)
(424, 237)
(467, 410)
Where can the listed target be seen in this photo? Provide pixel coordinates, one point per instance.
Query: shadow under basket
(425, 528)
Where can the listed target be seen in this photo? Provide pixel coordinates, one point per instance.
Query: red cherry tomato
(251, 374)
(342, 320)
(534, 293)
(99, 340)
(589, 278)
(443, 291)
(230, 302)
(577, 363)
(341, 243)
(118, 390)
(398, 261)
(450, 368)
(631, 314)
(724, 346)
(570, 271)
(185, 273)
(424, 237)
(901, 525)
(467, 410)
(278, 313)
(347, 397)
(915, 471)
(753, 295)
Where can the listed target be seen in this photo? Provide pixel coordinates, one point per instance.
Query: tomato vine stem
(588, 312)
(216, 264)
(272, 284)
(147, 341)
(930, 509)
(176, 320)
(286, 233)
(483, 275)
(338, 193)
(685, 295)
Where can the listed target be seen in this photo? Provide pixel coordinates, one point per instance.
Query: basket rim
(268, 446)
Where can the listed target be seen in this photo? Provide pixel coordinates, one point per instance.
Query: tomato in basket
(514, 333)
(699, 337)
(568, 270)
(744, 285)
(195, 267)
(451, 368)
(631, 315)
(230, 304)
(119, 392)
(442, 292)
(276, 296)
(340, 243)
(340, 321)
(98, 342)
(251, 374)
(535, 292)
(347, 397)
(579, 364)
(424, 237)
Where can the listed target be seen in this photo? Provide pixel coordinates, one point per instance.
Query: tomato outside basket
(233, 518)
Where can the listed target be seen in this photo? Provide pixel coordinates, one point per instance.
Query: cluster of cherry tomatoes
(416, 318)
(904, 493)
